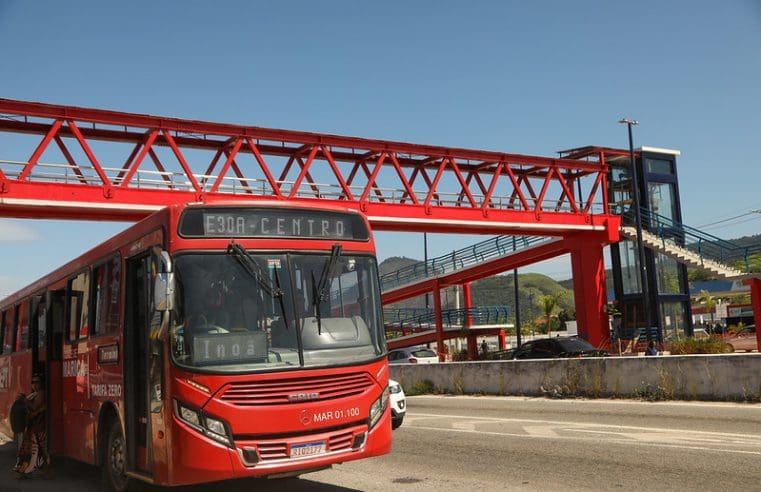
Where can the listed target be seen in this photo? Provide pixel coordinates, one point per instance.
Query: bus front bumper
(198, 459)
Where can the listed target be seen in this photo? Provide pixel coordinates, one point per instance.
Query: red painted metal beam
(588, 268)
(465, 191)
(511, 261)
(431, 337)
(755, 297)
(116, 118)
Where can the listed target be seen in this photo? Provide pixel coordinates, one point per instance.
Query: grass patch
(710, 345)
(421, 387)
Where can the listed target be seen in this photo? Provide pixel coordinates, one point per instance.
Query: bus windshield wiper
(320, 288)
(252, 268)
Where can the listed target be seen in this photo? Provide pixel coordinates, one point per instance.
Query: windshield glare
(273, 314)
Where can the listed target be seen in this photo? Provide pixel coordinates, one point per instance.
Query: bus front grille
(278, 451)
(278, 392)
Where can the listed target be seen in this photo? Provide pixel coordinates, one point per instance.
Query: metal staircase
(456, 260)
(691, 246)
(670, 248)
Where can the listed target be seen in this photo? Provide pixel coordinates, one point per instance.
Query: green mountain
(395, 263)
(499, 290)
(493, 291)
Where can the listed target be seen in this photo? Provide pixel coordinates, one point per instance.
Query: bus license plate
(307, 449)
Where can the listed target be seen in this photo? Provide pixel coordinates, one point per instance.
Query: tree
(709, 302)
(549, 304)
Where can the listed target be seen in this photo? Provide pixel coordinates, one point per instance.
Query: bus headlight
(189, 416)
(378, 407)
(207, 425)
(217, 430)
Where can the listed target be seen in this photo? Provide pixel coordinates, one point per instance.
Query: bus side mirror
(163, 284)
(163, 292)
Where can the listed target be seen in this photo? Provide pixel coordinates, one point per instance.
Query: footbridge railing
(459, 259)
(705, 245)
(417, 319)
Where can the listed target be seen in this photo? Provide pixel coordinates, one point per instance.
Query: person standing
(18, 423)
(651, 348)
(33, 454)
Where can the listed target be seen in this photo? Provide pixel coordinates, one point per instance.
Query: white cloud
(10, 284)
(11, 230)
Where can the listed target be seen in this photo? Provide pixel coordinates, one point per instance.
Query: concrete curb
(724, 377)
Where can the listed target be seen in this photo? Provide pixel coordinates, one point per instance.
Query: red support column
(472, 339)
(755, 299)
(502, 340)
(439, 322)
(589, 285)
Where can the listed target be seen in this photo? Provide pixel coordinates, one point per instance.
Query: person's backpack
(19, 414)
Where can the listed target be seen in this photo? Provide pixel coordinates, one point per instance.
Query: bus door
(54, 324)
(136, 360)
(16, 360)
(37, 305)
(78, 415)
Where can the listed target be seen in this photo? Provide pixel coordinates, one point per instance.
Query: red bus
(209, 342)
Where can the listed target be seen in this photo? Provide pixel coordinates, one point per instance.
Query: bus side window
(8, 332)
(21, 343)
(105, 297)
(78, 301)
(22, 315)
(57, 320)
(41, 314)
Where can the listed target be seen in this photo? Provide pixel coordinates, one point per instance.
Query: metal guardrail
(178, 181)
(459, 259)
(421, 318)
(705, 245)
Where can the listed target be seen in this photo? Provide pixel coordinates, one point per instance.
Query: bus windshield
(242, 312)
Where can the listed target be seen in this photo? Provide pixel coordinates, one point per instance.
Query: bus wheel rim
(117, 460)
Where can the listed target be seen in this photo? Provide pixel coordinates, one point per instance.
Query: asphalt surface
(497, 444)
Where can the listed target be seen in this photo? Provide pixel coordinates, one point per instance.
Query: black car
(548, 348)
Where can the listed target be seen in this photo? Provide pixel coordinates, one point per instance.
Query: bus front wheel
(115, 460)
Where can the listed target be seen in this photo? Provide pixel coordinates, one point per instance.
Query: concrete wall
(688, 377)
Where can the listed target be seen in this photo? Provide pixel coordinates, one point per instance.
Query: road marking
(747, 444)
(540, 431)
(594, 440)
(565, 423)
(471, 425)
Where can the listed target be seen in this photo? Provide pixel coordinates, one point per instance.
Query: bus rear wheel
(114, 463)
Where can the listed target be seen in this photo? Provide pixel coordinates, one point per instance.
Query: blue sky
(514, 76)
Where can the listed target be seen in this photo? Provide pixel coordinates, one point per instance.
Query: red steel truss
(71, 162)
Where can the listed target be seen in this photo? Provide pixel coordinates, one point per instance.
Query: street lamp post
(425, 263)
(638, 225)
(517, 304)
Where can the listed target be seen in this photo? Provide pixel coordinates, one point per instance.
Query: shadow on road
(72, 476)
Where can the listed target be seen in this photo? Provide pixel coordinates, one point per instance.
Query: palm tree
(709, 302)
(548, 304)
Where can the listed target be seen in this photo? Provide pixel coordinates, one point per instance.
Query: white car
(412, 355)
(398, 403)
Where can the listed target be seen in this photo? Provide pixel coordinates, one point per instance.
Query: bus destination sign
(211, 349)
(266, 223)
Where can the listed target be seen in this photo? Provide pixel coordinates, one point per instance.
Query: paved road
(486, 443)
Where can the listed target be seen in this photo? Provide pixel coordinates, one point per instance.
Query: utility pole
(517, 304)
(638, 225)
(425, 262)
